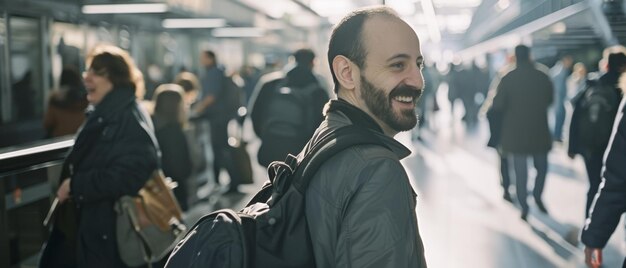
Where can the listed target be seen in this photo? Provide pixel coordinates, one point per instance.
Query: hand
(593, 257)
(63, 193)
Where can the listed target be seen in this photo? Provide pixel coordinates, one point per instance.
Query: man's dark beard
(380, 105)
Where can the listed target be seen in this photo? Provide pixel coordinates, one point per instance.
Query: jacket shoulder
(344, 173)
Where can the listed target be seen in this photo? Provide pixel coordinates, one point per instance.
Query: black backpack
(272, 230)
(291, 115)
(592, 121)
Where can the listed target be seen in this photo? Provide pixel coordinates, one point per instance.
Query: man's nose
(415, 78)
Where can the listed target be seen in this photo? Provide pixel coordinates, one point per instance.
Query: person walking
(588, 137)
(610, 201)
(523, 98)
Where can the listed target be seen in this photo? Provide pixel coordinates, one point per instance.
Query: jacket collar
(113, 102)
(356, 115)
(353, 115)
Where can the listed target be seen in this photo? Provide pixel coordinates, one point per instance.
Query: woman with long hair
(170, 119)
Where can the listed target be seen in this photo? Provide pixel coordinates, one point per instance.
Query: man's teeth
(403, 98)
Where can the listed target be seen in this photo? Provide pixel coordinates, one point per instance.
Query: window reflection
(25, 53)
(4, 95)
(68, 46)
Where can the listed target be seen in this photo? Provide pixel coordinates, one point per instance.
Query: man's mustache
(406, 90)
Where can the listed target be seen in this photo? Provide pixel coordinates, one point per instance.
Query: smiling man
(360, 206)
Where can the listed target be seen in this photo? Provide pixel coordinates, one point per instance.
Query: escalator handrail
(18, 159)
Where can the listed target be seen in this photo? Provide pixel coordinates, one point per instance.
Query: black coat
(523, 97)
(607, 83)
(114, 155)
(610, 204)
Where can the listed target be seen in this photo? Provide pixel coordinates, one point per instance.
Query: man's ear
(343, 69)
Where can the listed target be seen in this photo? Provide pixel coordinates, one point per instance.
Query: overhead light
(431, 18)
(332, 9)
(404, 8)
(238, 32)
(559, 28)
(275, 8)
(124, 8)
(193, 23)
(503, 4)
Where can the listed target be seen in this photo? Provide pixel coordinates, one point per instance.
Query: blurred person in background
(588, 137)
(575, 84)
(190, 84)
(140, 91)
(559, 74)
(170, 119)
(427, 102)
(23, 93)
(576, 81)
(66, 105)
(208, 107)
(286, 109)
(113, 155)
(250, 75)
(494, 118)
(522, 99)
(610, 200)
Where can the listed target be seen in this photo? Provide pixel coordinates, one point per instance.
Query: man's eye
(398, 65)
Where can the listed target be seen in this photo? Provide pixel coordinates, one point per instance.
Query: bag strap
(146, 123)
(331, 144)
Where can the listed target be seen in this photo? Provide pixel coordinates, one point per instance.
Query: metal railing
(26, 188)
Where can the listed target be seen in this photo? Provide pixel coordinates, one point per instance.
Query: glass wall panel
(26, 65)
(5, 93)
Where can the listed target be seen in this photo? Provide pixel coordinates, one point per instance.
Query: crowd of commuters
(587, 115)
(120, 144)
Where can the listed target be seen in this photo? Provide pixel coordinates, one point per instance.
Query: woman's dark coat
(114, 155)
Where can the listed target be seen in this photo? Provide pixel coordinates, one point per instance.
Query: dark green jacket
(360, 206)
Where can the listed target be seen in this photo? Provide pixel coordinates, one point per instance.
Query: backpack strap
(331, 144)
